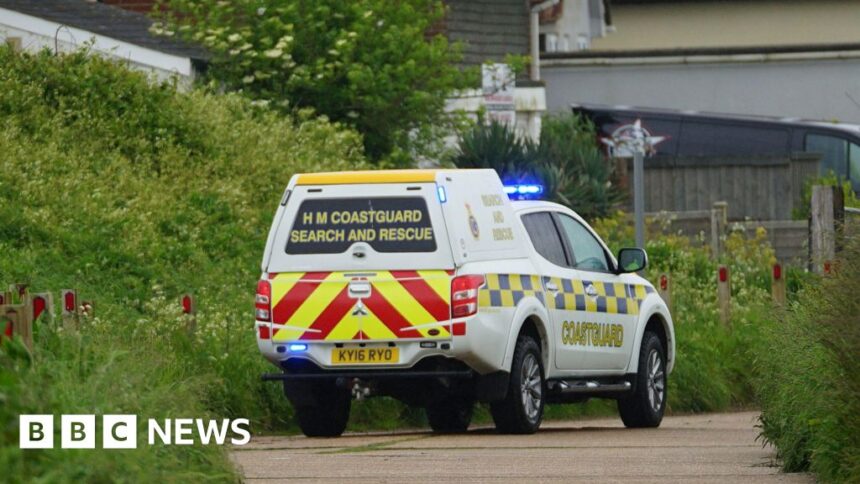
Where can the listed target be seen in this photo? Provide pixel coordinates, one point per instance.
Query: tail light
(263, 301)
(464, 295)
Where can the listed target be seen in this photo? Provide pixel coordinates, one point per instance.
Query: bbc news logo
(120, 431)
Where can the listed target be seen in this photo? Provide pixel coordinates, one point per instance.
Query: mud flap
(492, 387)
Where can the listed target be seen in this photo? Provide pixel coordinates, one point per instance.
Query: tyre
(450, 415)
(328, 417)
(645, 406)
(522, 409)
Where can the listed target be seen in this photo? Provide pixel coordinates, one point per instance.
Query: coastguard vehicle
(435, 288)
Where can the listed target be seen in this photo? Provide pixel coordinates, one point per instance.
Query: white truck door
(601, 311)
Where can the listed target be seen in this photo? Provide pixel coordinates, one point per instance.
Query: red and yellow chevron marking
(401, 305)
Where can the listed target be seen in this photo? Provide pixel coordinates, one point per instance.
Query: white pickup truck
(433, 287)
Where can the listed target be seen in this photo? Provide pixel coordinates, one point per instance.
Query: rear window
(387, 224)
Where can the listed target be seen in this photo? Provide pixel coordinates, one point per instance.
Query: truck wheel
(328, 417)
(522, 409)
(450, 415)
(645, 406)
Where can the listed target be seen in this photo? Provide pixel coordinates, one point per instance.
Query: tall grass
(810, 375)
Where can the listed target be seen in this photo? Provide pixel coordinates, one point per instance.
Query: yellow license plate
(364, 356)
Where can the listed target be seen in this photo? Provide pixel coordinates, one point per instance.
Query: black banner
(331, 226)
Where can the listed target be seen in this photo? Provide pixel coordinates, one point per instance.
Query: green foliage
(810, 392)
(496, 146)
(576, 172)
(716, 364)
(367, 63)
(133, 194)
(832, 180)
(566, 161)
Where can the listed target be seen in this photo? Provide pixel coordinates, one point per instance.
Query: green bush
(575, 170)
(715, 366)
(809, 385)
(375, 65)
(134, 194)
(566, 161)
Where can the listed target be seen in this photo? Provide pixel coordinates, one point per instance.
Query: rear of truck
(359, 274)
(373, 284)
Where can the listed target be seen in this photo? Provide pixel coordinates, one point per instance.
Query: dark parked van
(692, 134)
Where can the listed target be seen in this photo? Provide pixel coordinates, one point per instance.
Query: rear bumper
(482, 349)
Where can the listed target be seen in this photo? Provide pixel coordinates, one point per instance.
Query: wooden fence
(762, 188)
(807, 243)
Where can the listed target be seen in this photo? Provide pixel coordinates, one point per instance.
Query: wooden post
(16, 314)
(22, 324)
(826, 215)
(71, 321)
(719, 220)
(189, 308)
(664, 289)
(724, 295)
(777, 285)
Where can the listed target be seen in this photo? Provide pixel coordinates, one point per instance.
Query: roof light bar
(523, 191)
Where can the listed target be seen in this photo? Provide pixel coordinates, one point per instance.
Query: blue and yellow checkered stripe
(506, 290)
(612, 297)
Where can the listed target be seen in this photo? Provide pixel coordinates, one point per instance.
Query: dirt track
(700, 448)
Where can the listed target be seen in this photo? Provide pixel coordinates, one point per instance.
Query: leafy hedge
(133, 194)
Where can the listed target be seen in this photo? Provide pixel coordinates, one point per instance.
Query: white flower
(248, 79)
(261, 11)
(234, 38)
(273, 53)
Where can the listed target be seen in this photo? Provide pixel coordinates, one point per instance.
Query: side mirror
(631, 259)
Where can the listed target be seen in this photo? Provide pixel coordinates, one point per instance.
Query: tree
(370, 64)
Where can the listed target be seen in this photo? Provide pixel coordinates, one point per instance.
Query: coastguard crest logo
(473, 223)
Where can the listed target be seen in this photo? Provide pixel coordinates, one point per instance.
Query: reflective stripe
(378, 176)
(401, 304)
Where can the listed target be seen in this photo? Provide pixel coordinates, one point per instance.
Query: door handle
(551, 287)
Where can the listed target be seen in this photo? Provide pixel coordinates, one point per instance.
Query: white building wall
(36, 34)
(824, 86)
(529, 106)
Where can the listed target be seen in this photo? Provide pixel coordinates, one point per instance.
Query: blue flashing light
(523, 191)
(298, 347)
(443, 197)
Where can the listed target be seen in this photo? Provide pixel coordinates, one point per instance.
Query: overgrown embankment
(133, 194)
